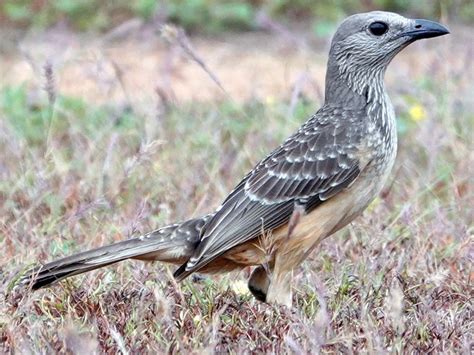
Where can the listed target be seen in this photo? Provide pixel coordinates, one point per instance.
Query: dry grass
(76, 175)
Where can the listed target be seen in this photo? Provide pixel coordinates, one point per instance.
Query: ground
(104, 138)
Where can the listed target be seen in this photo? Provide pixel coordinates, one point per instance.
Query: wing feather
(310, 167)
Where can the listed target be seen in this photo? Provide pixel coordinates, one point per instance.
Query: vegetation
(77, 174)
(211, 15)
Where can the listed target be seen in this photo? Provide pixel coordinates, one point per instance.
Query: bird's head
(364, 45)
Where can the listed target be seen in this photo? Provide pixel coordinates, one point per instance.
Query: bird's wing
(310, 167)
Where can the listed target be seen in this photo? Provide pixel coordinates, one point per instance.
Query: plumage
(267, 194)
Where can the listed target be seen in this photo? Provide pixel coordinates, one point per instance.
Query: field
(105, 138)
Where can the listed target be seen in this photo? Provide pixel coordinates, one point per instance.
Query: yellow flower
(417, 112)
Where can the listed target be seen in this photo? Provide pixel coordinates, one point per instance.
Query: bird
(316, 182)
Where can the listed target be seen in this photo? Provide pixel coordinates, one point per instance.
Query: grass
(76, 176)
(211, 16)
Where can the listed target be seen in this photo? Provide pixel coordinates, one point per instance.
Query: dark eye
(378, 28)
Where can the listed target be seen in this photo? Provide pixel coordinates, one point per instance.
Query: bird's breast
(381, 138)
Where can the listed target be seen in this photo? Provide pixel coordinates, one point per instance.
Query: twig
(50, 88)
(177, 35)
(50, 85)
(296, 92)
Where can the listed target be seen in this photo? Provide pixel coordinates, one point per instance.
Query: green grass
(75, 176)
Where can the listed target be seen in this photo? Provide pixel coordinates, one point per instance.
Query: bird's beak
(424, 29)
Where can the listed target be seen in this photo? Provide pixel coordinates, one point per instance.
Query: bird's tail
(173, 244)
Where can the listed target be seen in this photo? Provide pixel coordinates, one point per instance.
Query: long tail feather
(173, 244)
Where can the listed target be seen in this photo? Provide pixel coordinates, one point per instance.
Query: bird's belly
(325, 220)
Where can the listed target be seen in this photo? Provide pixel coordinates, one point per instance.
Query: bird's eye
(378, 28)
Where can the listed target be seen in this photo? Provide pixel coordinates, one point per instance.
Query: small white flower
(240, 288)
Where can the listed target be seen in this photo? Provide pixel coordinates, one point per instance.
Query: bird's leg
(281, 279)
(262, 278)
(279, 287)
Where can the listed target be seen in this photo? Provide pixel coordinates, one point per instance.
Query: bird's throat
(354, 88)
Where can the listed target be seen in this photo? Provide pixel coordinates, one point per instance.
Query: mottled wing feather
(311, 166)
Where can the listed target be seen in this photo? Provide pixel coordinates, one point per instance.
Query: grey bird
(320, 179)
